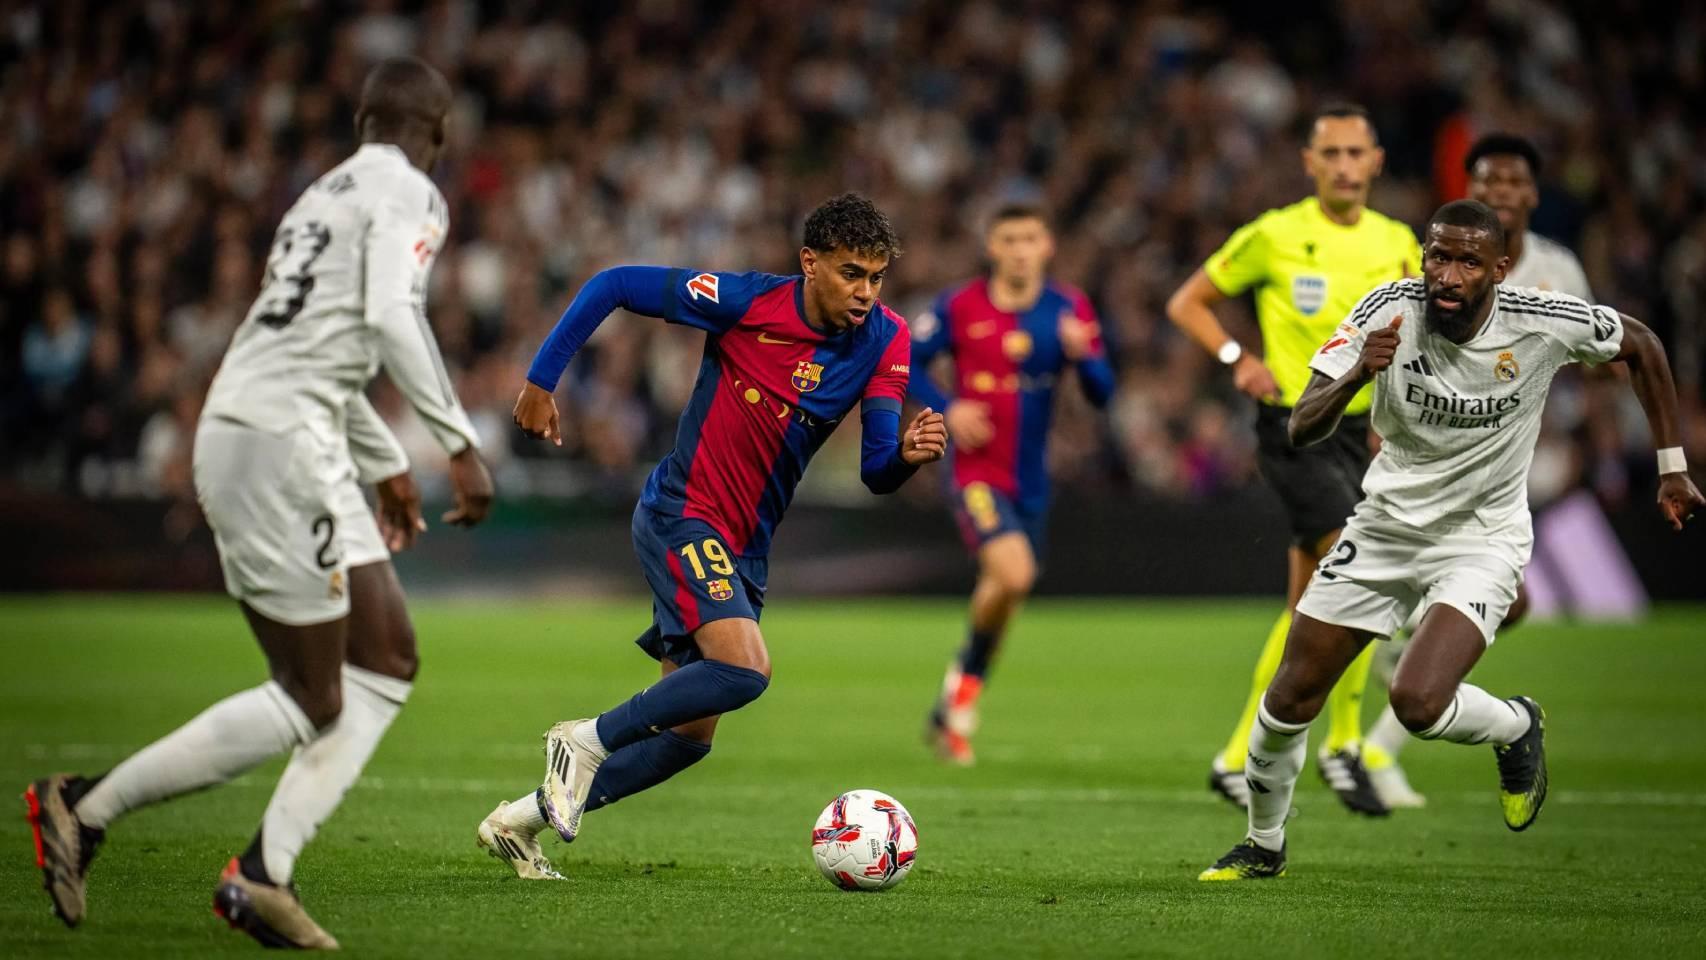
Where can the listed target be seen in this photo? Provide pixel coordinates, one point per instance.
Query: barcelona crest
(807, 376)
(719, 589)
(1016, 344)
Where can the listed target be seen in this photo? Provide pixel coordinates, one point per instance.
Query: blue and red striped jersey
(770, 390)
(1011, 363)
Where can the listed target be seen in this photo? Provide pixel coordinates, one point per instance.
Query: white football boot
(1394, 788)
(519, 849)
(1229, 785)
(572, 758)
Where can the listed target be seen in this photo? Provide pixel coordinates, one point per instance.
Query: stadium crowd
(147, 149)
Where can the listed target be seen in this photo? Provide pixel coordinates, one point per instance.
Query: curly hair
(853, 223)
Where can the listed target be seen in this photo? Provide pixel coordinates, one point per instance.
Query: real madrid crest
(807, 376)
(1506, 369)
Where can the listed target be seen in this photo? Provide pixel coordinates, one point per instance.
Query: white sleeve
(406, 231)
(1596, 341)
(1344, 348)
(1341, 351)
(376, 452)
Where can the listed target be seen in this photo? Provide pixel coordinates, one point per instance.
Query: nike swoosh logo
(767, 338)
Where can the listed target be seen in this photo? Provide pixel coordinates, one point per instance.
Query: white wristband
(1671, 460)
(1229, 352)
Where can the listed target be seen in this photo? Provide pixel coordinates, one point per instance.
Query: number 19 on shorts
(714, 554)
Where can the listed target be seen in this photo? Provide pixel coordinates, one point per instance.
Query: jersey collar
(800, 314)
(389, 148)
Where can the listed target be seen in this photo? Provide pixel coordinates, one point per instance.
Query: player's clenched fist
(536, 414)
(926, 439)
(1378, 350)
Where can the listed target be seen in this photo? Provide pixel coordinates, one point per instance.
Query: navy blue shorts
(985, 513)
(695, 579)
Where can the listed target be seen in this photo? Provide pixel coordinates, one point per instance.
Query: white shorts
(1380, 571)
(288, 517)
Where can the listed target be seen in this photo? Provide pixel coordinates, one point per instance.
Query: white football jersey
(1549, 265)
(1458, 421)
(345, 291)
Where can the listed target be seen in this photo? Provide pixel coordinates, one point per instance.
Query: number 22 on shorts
(1342, 553)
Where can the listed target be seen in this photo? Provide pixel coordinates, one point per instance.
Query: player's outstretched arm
(1323, 402)
(636, 289)
(713, 302)
(1649, 375)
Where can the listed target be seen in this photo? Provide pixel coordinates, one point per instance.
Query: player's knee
(403, 657)
(1416, 706)
(699, 731)
(320, 701)
(1014, 578)
(1290, 704)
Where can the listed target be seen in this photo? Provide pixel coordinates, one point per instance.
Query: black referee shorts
(1319, 485)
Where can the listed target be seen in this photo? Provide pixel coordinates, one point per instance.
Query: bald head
(404, 102)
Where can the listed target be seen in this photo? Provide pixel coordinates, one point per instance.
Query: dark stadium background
(148, 149)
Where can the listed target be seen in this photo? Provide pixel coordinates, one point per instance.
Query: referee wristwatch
(1229, 352)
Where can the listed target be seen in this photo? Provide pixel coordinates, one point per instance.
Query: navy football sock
(642, 766)
(701, 689)
(979, 650)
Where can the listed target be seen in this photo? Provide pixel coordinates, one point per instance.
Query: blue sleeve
(1096, 376)
(639, 289)
(929, 339)
(713, 302)
(880, 465)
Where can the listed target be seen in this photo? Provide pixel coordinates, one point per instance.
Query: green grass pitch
(1079, 833)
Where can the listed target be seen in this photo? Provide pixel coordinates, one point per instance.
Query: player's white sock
(321, 772)
(1388, 733)
(523, 815)
(1277, 753)
(1476, 716)
(222, 741)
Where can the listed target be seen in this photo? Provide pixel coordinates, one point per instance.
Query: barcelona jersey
(1011, 363)
(769, 391)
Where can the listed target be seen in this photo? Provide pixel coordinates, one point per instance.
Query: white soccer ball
(865, 840)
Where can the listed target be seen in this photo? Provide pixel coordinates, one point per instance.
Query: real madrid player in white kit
(1504, 173)
(1461, 368)
(286, 437)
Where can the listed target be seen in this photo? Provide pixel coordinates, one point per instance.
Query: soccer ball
(864, 840)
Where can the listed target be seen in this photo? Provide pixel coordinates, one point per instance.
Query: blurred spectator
(147, 150)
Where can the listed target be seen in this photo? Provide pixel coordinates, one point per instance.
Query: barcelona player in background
(786, 360)
(1011, 336)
